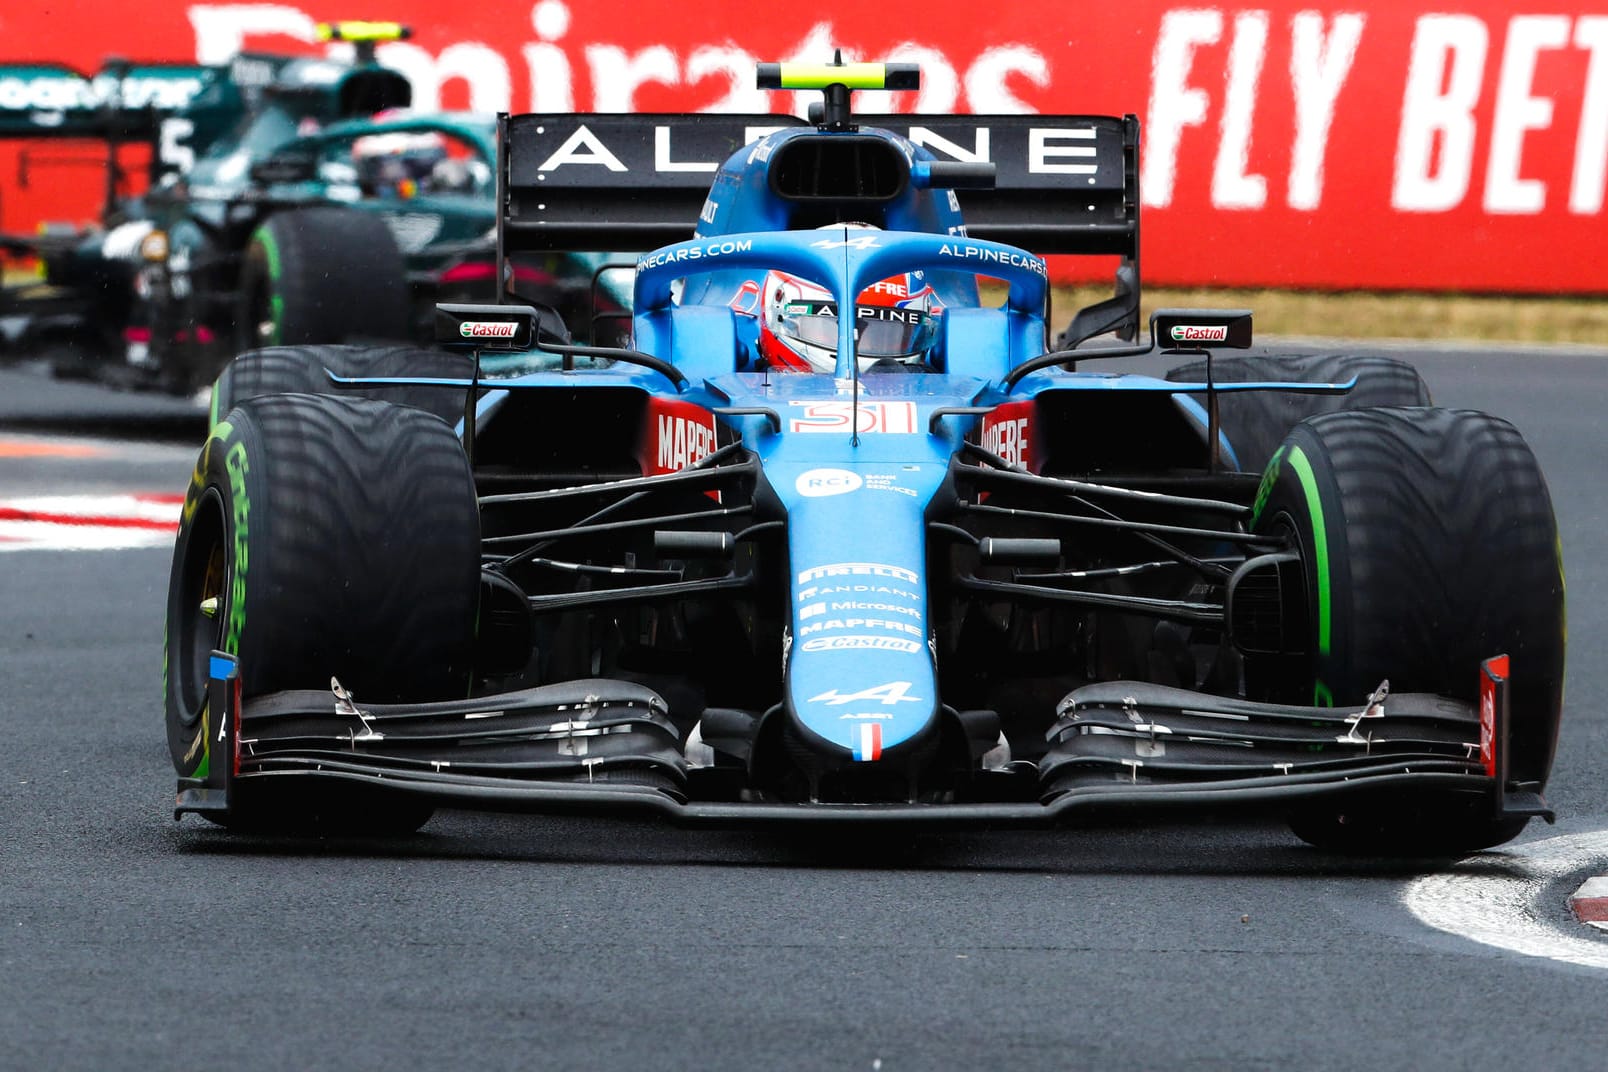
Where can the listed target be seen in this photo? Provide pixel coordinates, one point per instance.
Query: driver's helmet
(798, 330)
(397, 162)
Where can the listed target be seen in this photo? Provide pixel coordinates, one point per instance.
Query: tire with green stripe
(1429, 544)
(305, 370)
(322, 537)
(1256, 422)
(319, 275)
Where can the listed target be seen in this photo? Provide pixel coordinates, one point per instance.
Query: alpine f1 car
(289, 199)
(837, 542)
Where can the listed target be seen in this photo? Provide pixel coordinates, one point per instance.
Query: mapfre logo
(1200, 332)
(488, 329)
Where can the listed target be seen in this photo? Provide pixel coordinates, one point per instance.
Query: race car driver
(895, 323)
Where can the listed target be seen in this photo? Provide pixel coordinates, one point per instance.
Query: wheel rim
(1293, 682)
(203, 607)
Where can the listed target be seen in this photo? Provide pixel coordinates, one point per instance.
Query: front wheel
(322, 537)
(1428, 544)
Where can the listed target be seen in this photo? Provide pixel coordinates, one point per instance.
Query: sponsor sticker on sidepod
(818, 483)
(488, 329)
(1200, 332)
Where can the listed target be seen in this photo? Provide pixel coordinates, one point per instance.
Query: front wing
(608, 747)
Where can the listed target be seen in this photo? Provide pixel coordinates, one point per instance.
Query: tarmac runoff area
(1512, 898)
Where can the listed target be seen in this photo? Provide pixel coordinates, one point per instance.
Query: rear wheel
(322, 537)
(1256, 422)
(305, 370)
(320, 275)
(1428, 544)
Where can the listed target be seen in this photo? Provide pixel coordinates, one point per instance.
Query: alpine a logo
(488, 329)
(1200, 332)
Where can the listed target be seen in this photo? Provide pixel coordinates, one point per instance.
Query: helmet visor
(883, 331)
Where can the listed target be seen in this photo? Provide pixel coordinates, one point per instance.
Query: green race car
(290, 200)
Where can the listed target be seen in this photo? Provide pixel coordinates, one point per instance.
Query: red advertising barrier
(1373, 144)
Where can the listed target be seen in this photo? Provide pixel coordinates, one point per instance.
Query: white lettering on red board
(1007, 432)
(1320, 62)
(1007, 438)
(1439, 134)
(1448, 87)
(948, 82)
(1232, 184)
(682, 441)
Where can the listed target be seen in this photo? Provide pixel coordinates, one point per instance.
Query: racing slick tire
(1256, 422)
(302, 370)
(320, 275)
(322, 537)
(1429, 544)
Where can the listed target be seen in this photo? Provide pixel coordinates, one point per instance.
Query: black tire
(1429, 544)
(339, 537)
(1256, 422)
(320, 275)
(302, 370)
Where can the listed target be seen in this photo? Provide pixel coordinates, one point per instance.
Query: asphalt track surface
(129, 941)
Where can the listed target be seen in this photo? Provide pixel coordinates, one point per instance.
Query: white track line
(1496, 899)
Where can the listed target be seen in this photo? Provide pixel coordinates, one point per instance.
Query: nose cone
(861, 680)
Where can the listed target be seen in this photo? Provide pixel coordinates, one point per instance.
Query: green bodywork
(231, 145)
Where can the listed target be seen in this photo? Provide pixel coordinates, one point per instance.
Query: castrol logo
(488, 329)
(1200, 332)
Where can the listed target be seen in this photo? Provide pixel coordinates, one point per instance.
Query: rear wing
(123, 102)
(628, 183)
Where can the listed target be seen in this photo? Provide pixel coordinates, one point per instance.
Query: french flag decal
(868, 741)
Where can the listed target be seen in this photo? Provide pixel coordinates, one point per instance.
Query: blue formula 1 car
(837, 541)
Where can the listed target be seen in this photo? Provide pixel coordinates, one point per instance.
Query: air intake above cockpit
(838, 167)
